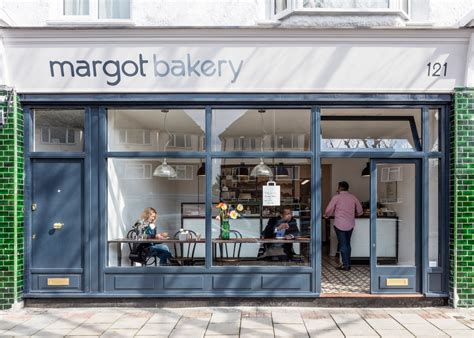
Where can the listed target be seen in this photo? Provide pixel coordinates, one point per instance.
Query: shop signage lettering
(116, 70)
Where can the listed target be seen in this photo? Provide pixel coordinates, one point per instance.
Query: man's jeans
(162, 251)
(344, 244)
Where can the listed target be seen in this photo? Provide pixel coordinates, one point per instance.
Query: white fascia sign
(307, 64)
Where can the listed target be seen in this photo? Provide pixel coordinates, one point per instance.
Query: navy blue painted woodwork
(58, 196)
(89, 271)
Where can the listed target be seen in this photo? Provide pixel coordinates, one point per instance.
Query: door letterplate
(58, 226)
(33, 206)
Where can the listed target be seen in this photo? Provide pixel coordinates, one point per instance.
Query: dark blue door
(57, 214)
(395, 226)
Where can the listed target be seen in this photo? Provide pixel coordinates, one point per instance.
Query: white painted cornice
(22, 36)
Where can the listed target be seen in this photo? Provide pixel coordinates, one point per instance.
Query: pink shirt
(344, 207)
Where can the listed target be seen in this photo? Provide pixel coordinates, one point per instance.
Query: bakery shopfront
(187, 121)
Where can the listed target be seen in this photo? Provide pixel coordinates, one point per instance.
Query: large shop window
(58, 130)
(156, 210)
(261, 211)
(261, 130)
(374, 129)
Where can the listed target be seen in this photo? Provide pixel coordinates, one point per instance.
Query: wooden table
(215, 242)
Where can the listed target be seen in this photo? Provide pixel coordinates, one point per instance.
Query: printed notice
(271, 194)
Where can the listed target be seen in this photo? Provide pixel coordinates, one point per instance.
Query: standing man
(344, 207)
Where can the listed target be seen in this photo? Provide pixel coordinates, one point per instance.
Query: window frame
(297, 7)
(58, 17)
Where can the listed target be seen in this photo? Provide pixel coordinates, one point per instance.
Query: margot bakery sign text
(115, 71)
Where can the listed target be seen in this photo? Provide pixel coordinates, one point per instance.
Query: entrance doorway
(384, 242)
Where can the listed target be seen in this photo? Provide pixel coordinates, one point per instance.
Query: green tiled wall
(461, 241)
(11, 205)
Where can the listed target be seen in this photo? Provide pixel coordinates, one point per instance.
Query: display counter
(387, 238)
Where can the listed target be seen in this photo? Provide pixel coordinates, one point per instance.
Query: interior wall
(349, 170)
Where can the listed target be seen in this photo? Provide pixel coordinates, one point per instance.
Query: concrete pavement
(238, 321)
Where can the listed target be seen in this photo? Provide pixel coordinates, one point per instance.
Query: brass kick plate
(58, 281)
(397, 281)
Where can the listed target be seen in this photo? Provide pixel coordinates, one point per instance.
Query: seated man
(283, 225)
(147, 228)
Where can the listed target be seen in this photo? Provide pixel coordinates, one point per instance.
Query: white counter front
(360, 241)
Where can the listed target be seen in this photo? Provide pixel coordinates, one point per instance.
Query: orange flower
(233, 214)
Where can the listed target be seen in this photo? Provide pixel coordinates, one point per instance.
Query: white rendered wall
(234, 13)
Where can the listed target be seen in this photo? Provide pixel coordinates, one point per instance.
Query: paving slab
(383, 324)
(89, 330)
(353, 325)
(459, 333)
(156, 329)
(448, 324)
(225, 317)
(286, 317)
(257, 323)
(188, 333)
(104, 318)
(164, 317)
(218, 329)
(192, 323)
(256, 333)
(394, 333)
(424, 329)
(119, 333)
(290, 330)
(129, 323)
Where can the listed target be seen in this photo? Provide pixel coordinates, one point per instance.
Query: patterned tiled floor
(334, 281)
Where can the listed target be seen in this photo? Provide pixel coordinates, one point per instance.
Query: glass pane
(114, 9)
(76, 7)
(396, 214)
(346, 3)
(180, 205)
(280, 5)
(261, 130)
(434, 129)
(375, 129)
(156, 130)
(259, 207)
(434, 213)
(58, 130)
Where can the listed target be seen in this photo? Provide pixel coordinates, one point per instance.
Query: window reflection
(156, 130)
(261, 130)
(179, 205)
(390, 129)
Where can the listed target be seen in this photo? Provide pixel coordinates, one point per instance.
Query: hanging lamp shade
(366, 170)
(281, 171)
(242, 171)
(261, 170)
(202, 170)
(164, 170)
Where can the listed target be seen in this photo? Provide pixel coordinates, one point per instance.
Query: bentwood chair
(184, 251)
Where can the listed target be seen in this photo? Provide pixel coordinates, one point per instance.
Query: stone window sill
(340, 12)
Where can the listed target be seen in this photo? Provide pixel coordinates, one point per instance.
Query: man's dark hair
(282, 210)
(343, 185)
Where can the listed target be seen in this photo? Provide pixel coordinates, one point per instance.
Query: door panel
(395, 226)
(57, 214)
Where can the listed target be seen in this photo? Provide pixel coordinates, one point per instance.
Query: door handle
(58, 226)
(34, 206)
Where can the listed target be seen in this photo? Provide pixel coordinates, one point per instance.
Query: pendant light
(262, 170)
(164, 169)
(366, 170)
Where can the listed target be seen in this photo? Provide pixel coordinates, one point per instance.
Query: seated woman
(146, 228)
(283, 225)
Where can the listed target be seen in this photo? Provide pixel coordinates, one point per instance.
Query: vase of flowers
(226, 212)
